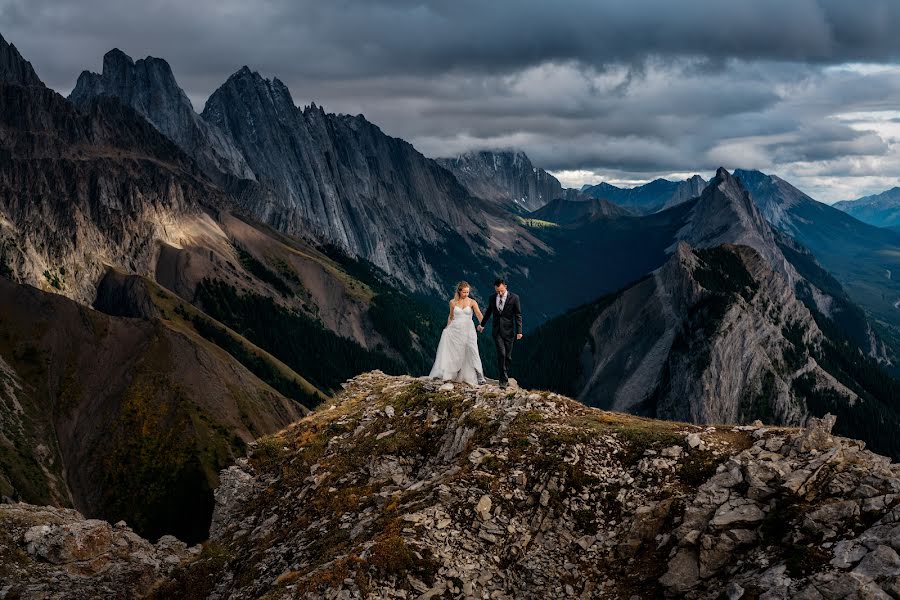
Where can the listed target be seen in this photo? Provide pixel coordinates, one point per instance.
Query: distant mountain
(14, 68)
(655, 196)
(881, 210)
(862, 257)
(506, 177)
(567, 212)
(598, 256)
(122, 418)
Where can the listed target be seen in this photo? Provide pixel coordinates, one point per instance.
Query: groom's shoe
(504, 384)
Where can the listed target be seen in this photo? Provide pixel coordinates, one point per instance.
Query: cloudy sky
(593, 90)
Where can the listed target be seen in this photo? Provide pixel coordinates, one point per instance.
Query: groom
(504, 305)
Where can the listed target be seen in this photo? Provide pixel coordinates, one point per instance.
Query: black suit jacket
(508, 322)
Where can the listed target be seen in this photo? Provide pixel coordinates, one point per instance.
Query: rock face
(338, 177)
(149, 87)
(121, 418)
(82, 190)
(15, 69)
(517, 494)
(46, 548)
(655, 196)
(881, 210)
(506, 177)
(714, 336)
(862, 257)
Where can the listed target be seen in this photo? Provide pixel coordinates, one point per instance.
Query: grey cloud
(630, 89)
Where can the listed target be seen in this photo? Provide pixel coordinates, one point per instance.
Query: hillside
(124, 418)
(406, 488)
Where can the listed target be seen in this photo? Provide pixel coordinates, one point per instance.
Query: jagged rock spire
(14, 68)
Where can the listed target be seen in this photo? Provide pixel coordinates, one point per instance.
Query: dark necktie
(501, 304)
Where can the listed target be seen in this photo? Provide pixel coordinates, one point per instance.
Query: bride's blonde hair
(460, 287)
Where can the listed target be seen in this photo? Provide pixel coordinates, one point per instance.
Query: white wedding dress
(457, 356)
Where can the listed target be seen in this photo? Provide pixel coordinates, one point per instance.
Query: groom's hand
(480, 328)
(518, 336)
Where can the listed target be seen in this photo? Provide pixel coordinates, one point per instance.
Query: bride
(457, 356)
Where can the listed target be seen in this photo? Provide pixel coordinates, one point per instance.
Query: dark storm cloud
(361, 38)
(635, 88)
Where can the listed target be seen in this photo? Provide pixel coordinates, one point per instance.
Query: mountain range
(331, 178)
(174, 285)
(881, 210)
(651, 197)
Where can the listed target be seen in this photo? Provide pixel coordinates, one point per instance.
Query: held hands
(518, 336)
(480, 328)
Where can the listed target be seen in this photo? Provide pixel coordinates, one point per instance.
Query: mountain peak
(14, 68)
(116, 57)
(148, 86)
(725, 214)
(722, 175)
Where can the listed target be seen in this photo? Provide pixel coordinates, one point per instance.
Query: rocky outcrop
(655, 196)
(405, 488)
(506, 177)
(15, 69)
(149, 87)
(547, 498)
(58, 551)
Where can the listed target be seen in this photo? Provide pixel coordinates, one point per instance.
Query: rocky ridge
(339, 178)
(410, 488)
(862, 256)
(713, 336)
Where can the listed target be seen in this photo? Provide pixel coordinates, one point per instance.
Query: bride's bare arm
(477, 311)
(450, 317)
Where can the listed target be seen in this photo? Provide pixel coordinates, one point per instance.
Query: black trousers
(504, 355)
